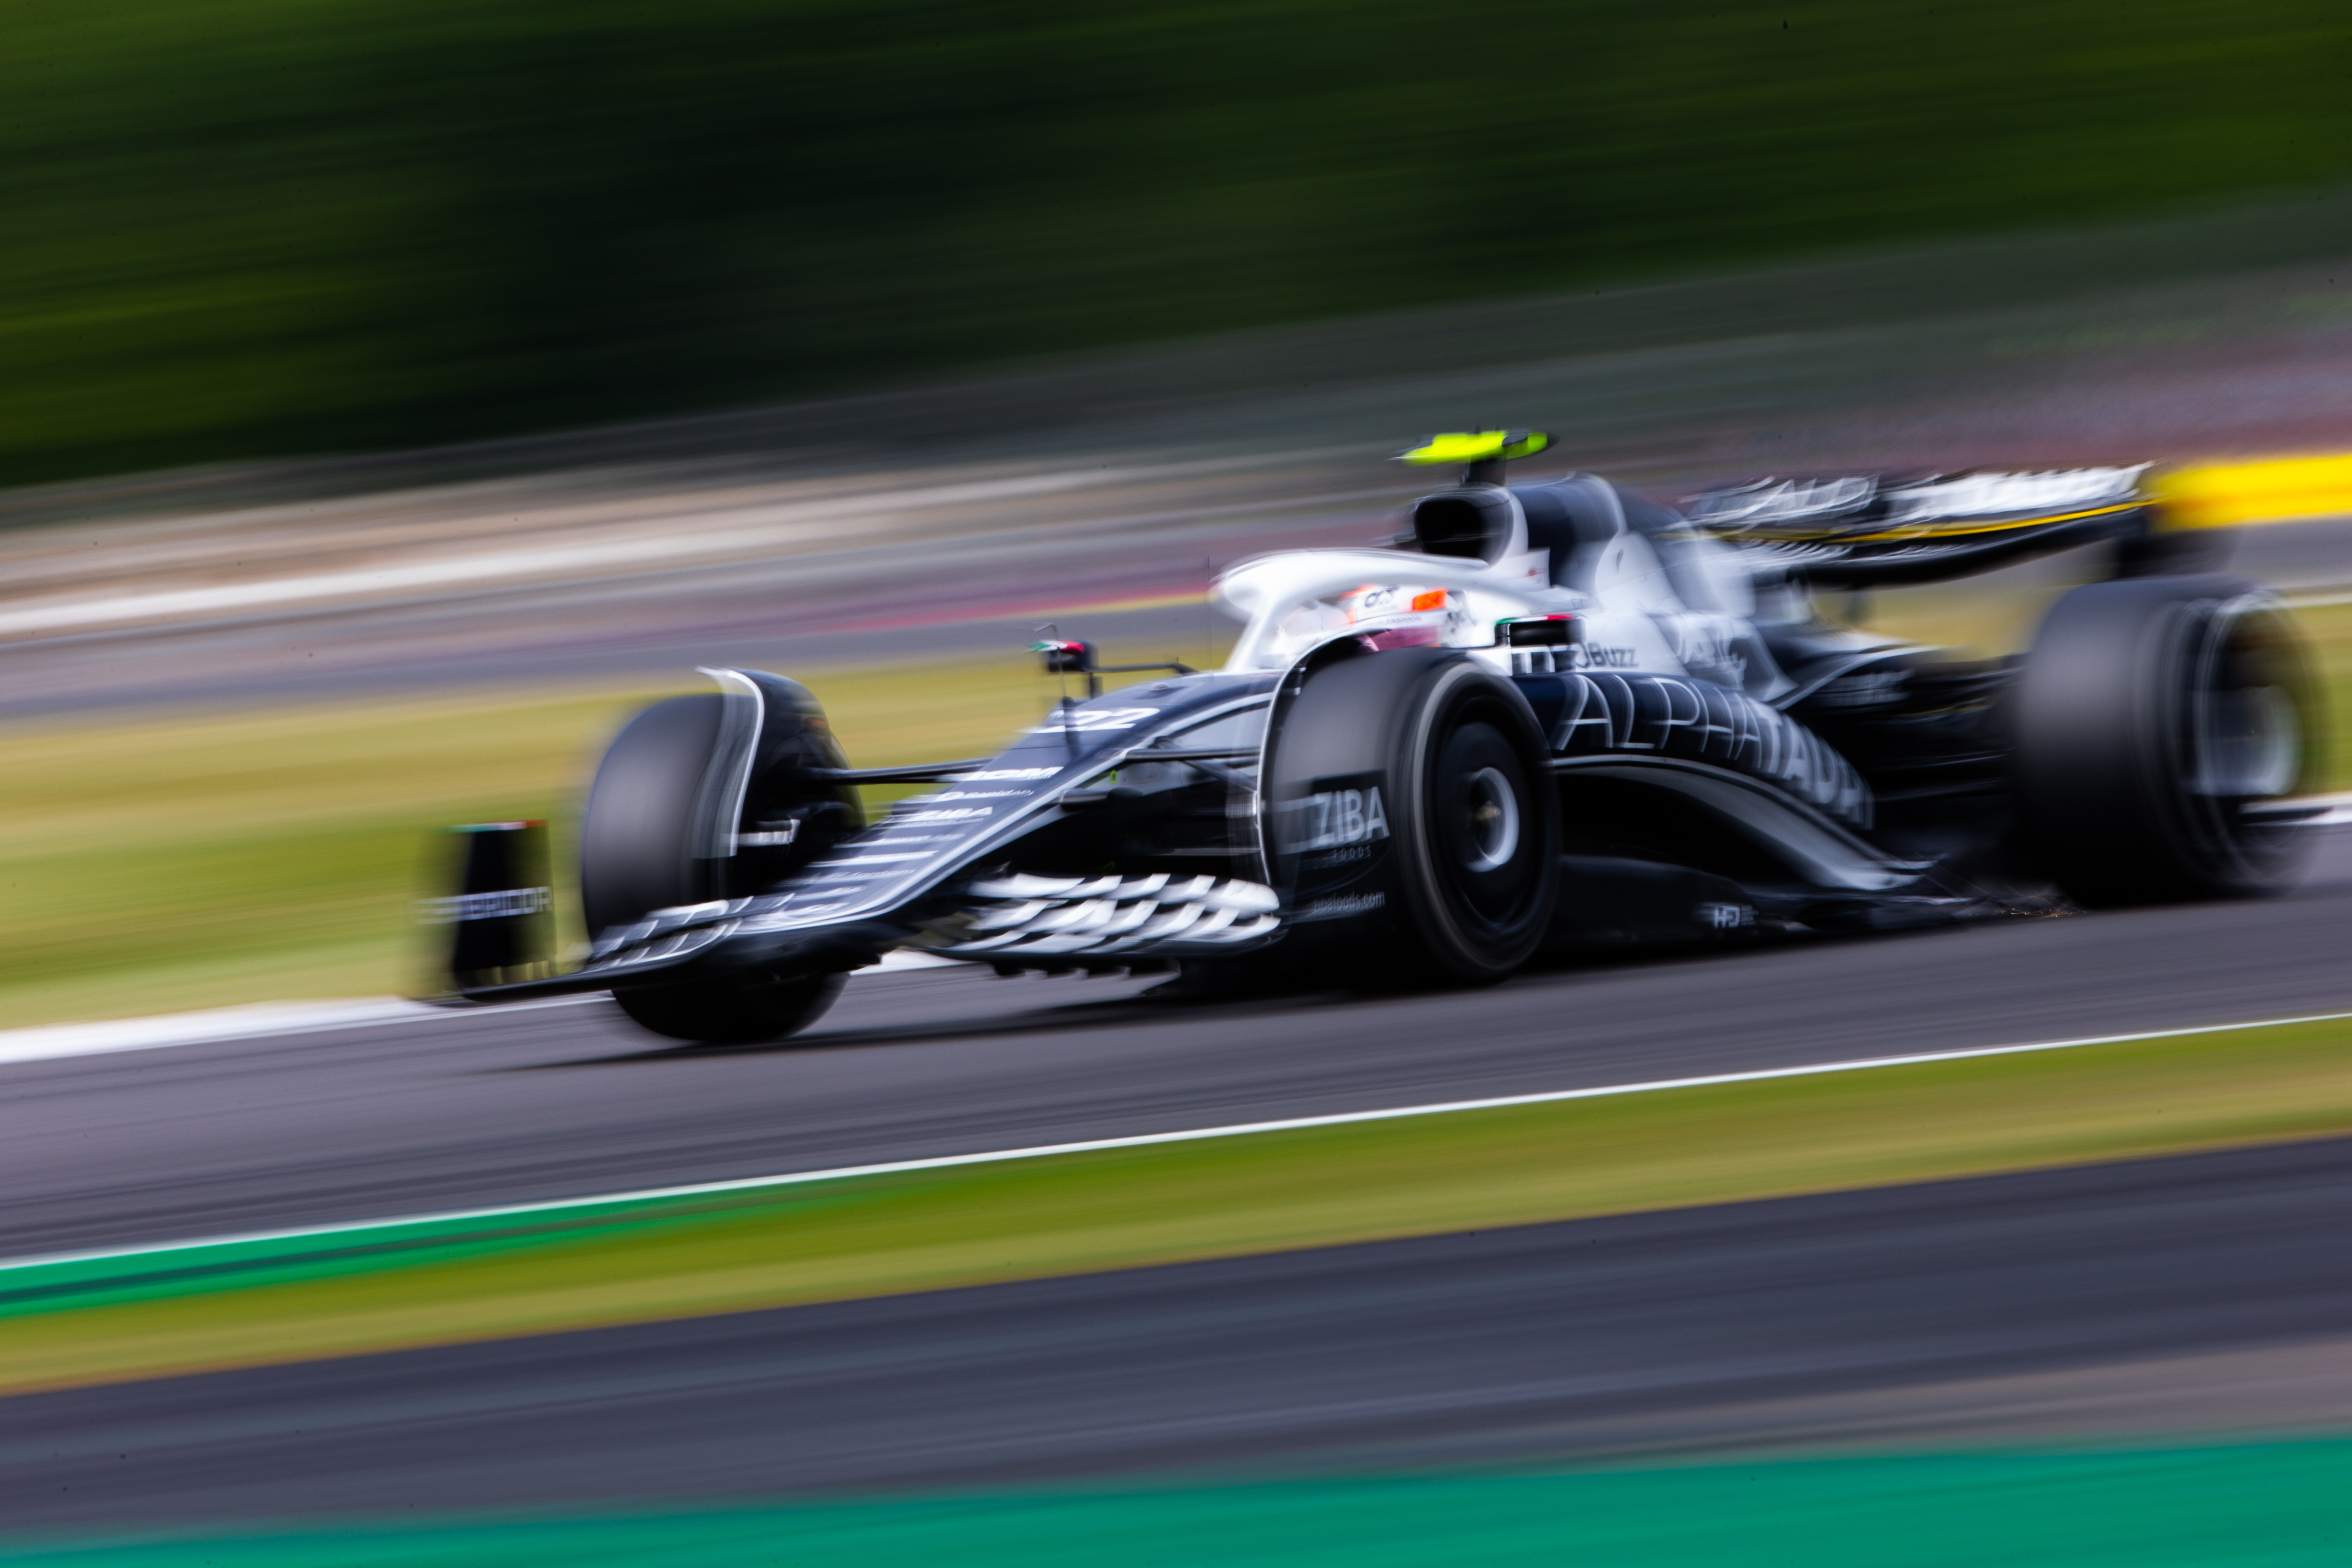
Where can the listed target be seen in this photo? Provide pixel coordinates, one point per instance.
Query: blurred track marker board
(2279, 489)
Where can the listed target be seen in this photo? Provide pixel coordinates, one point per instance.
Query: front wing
(910, 878)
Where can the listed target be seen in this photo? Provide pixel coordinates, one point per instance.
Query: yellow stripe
(1951, 529)
(2284, 489)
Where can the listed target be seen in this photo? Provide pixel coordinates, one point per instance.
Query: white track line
(261, 1020)
(742, 528)
(254, 1021)
(1147, 1140)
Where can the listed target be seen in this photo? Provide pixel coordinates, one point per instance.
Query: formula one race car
(1550, 716)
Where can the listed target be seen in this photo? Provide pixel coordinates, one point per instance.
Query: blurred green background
(256, 227)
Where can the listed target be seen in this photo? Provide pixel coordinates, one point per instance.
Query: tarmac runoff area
(2202, 1294)
(14, 1271)
(315, 1120)
(2199, 1294)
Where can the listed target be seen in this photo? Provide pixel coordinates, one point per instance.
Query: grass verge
(353, 1292)
(155, 863)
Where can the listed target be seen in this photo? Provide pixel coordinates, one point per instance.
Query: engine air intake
(1469, 525)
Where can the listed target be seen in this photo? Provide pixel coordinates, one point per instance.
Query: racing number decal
(1094, 719)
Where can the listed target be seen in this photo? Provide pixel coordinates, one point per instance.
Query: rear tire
(2153, 713)
(637, 843)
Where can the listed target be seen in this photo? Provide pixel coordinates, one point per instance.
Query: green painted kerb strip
(164, 1273)
(504, 1273)
(187, 1268)
(2268, 1506)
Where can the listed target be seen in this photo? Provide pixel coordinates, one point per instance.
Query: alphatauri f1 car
(1547, 716)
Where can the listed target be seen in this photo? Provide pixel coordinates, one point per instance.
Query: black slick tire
(2152, 714)
(636, 856)
(1478, 830)
(1415, 829)
(733, 1009)
(636, 837)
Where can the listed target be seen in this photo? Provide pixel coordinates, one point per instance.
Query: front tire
(636, 837)
(637, 843)
(1479, 830)
(731, 1010)
(2153, 714)
(1412, 826)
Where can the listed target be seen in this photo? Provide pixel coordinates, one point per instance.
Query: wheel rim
(2244, 736)
(1491, 821)
(1485, 857)
(2250, 745)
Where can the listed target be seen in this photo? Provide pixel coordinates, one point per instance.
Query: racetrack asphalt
(2202, 1294)
(1817, 1320)
(2198, 1294)
(491, 1107)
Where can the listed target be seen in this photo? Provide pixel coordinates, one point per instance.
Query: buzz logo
(1331, 818)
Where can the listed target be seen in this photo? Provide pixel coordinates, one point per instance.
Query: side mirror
(1067, 657)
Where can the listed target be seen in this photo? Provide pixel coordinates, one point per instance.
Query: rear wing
(1862, 531)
